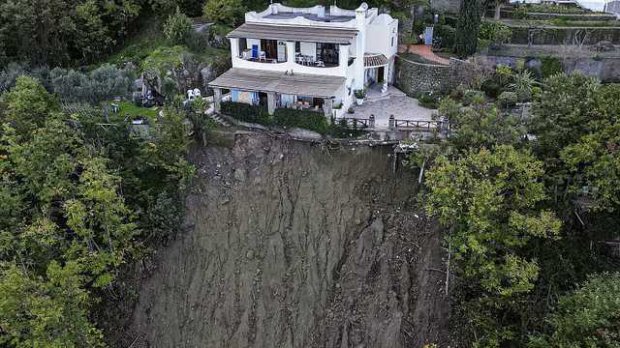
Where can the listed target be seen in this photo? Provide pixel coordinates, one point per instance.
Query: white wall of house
(377, 33)
(382, 36)
(281, 51)
(360, 46)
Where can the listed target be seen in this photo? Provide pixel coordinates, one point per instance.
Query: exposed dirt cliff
(296, 245)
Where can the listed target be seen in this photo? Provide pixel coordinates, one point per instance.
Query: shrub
(507, 99)
(429, 100)
(246, 112)
(503, 73)
(458, 92)
(491, 88)
(449, 108)
(311, 120)
(536, 92)
(523, 84)
(472, 96)
(550, 66)
(226, 12)
(177, 27)
(445, 36)
(497, 33)
(197, 41)
(360, 93)
(587, 317)
(520, 12)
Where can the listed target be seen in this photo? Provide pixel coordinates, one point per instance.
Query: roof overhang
(341, 36)
(319, 86)
(372, 60)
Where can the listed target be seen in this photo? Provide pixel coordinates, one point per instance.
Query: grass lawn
(133, 111)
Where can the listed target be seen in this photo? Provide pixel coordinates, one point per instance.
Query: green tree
(177, 27)
(594, 168)
(574, 124)
(60, 32)
(65, 228)
(93, 37)
(45, 311)
(27, 105)
(480, 126)
(489, 201)
(559, 117)
(587, 317)
(225, 12)
(467, 27)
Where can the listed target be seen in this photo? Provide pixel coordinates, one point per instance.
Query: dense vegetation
(528, 218)
(530, 205)
(81, 196)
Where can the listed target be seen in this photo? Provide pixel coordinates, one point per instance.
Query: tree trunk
(498, 11)
(413, 8)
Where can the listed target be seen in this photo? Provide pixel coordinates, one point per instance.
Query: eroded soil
(296, 245)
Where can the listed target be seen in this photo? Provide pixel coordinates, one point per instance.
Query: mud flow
(290, 244)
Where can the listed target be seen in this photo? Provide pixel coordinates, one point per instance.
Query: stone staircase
(383, 93)
(199, 26)
(219, 120)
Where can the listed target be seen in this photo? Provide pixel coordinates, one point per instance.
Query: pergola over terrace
(275, 84)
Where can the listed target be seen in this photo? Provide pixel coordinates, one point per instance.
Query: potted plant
(359, 96)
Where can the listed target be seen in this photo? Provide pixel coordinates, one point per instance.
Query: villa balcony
(317, 58)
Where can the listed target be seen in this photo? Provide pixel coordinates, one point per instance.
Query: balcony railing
(312, 61)
(261, 57)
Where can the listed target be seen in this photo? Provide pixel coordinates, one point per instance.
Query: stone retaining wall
(561, 35)
(414, 77)
(509, 13)
(605, 69)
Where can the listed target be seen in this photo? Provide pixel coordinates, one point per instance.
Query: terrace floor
(310, 16)
(394, 103)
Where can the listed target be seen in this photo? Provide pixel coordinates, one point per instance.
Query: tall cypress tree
(466, 39)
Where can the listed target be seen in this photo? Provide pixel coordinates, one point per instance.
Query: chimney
(360, 14)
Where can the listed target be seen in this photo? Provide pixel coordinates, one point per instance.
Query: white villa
(308, 58)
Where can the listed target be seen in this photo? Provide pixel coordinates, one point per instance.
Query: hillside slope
(296, 245)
